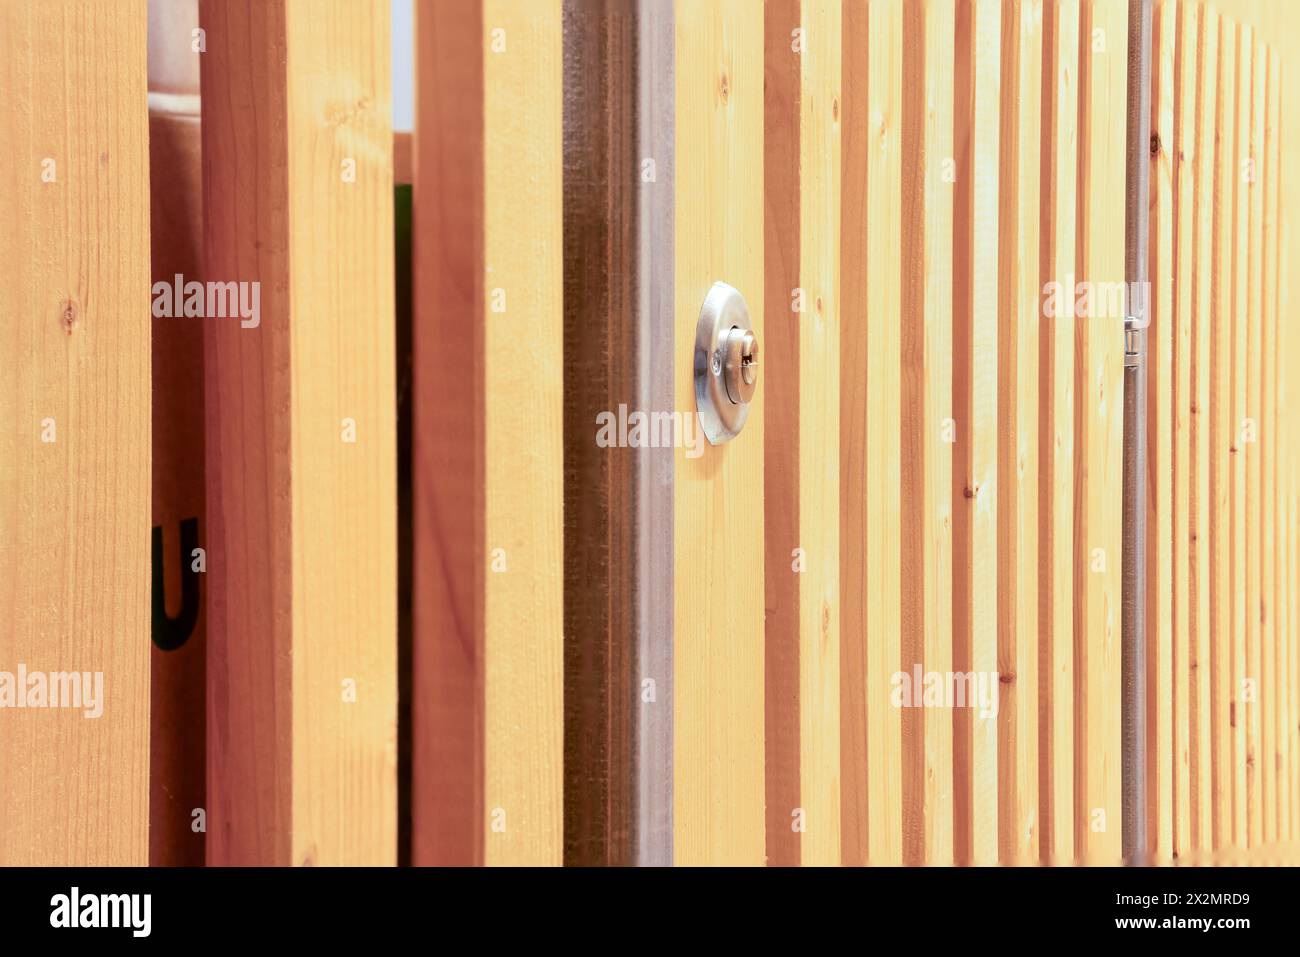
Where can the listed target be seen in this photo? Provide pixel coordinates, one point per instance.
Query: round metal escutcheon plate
(724, 309)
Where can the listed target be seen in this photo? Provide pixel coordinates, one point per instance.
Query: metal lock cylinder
(726, 363)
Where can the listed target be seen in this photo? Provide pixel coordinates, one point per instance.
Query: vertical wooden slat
(1291, 568)
(871, 732)
(1275, 437)
(1260, 663)
(300, 435)
(1160, 439)
(1236, 319)
(718, 803)
(784, 303)
(1103, 51)
(447, 436)
(1056, 432)
(1289, 623)
(488, 353)
(819, 443)
(975, 600)
(801, 456)
(927, 426)
(522, 686)
(1182, 150)
(1202, 660)
(1220, 411)
(1271, 637)
(75, 448)
(1020, 319)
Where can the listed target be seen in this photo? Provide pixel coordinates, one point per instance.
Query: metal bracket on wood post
(1132, 341)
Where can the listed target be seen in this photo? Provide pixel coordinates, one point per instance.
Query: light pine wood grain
(1057, 434)
(927, 426)
(302, 560)
(75, 512)
(718, 731)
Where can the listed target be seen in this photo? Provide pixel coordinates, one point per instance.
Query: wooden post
(75, 446)
(297, 164)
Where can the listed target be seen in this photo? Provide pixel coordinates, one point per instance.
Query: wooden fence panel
(1229, 608)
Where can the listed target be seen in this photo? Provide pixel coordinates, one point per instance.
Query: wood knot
(835, 109)
(1155, 144)
(69, 316)
(724, 87)
(968, 492)
(1007, 677)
